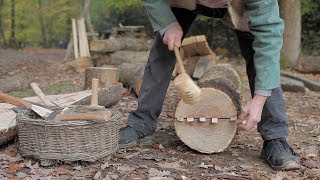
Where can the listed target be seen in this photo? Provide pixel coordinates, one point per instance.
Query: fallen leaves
(13, 167)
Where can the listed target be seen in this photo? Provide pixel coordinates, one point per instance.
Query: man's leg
(157, 76)
(273, 126)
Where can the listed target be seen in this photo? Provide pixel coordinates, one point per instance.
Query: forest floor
(169, 158)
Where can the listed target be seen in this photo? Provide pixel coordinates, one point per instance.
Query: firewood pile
(126, 44)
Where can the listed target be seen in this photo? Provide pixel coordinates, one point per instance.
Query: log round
(209, 126)
(107, 76)
(131, 76)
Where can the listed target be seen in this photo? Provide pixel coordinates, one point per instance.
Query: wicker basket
(67, 141)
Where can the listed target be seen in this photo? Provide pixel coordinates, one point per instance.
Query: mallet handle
(179, 60)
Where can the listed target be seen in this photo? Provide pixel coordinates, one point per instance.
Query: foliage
(310, 27)
(308, 6)
(123, 4)
(106, 14)
(55, 14)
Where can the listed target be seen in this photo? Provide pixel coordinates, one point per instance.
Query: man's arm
(267, 27)
(164, 21)
(159, 13)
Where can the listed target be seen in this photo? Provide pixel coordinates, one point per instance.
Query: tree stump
(209, 126)
(131, 75)
(106, 75)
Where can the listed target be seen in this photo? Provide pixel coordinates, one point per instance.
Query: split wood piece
(116, 44)
(131, 75)
(41, 95)
(192, 67)
(41, 111)
(7, 124)
(201, 65)
(100, 116)
(82, 50)
(75, 38)
(84, 38)
(196, 46)
(107, 76)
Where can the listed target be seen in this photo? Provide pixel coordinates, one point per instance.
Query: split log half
(131, 76)
(7, 123)
(196, 46)
(214, 125)
(107, 76)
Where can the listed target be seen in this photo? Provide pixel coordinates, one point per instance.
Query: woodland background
(45, 23)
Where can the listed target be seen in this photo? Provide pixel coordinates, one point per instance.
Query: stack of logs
(126, 44)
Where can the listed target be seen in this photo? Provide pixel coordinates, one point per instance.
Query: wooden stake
(75, 39)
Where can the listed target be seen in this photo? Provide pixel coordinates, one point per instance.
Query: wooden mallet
(189, 90)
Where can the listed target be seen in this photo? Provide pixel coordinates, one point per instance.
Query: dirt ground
(169, 158)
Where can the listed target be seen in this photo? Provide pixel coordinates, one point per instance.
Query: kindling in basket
(67, 141)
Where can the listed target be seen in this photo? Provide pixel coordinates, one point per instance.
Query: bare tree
(291, 14)
(1, 29)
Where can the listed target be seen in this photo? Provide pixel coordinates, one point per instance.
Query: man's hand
(173, 37)
(251, 112)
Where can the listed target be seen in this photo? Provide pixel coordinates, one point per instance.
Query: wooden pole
(75, 39)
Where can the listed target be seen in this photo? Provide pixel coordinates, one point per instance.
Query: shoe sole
(148, 140)
(291, 165)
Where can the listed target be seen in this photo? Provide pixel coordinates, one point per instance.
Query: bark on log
(210, 125)
(131, 76)
(116, 44)
(310, 64)
(14, 83)
(106, 75)
(133, 57)
(108, 96)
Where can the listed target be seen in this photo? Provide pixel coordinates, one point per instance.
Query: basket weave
(67, 141)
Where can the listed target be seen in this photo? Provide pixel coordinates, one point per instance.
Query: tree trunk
(87, 16)
(1, 29)
(12, 36)
(42, 24)
(291, 14)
